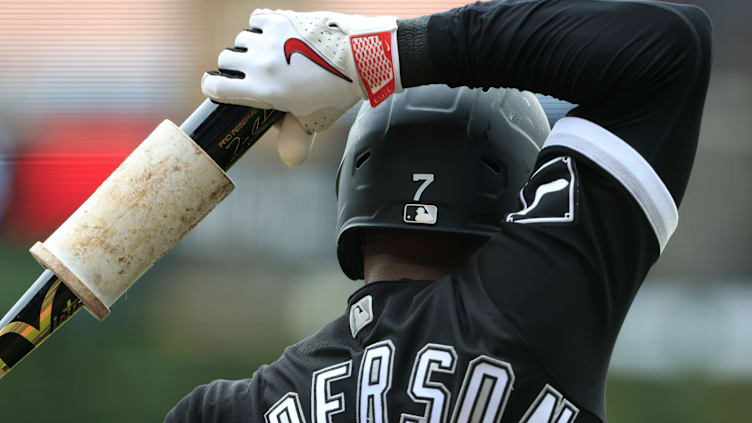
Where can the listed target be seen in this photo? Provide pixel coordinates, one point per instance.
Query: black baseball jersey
(525, 333)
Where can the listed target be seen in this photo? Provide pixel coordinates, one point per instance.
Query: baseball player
(497, 275)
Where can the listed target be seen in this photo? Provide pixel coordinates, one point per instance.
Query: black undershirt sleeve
(640, 69)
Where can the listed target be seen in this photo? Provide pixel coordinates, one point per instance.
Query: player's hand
(315, 66)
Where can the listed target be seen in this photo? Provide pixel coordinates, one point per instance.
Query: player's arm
(638, 69)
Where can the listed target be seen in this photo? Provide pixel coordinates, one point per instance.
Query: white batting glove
(315, 66)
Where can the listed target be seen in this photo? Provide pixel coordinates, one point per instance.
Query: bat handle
(227, 131)
(45, 306)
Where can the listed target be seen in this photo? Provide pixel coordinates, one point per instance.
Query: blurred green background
(260, 272)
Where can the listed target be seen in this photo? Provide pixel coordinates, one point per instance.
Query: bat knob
(294, 143)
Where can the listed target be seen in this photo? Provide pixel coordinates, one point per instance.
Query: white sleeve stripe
(626, 165)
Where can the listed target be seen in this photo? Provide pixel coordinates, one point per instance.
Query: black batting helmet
(435, 159)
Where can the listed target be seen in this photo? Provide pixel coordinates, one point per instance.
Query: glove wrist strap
(376, 60)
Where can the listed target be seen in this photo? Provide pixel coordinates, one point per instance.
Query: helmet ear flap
(435, 159)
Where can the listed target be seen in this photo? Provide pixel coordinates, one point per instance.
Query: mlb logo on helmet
(424, 214)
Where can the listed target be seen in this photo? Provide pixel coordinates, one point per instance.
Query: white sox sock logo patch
(294, 45)
(549, 195)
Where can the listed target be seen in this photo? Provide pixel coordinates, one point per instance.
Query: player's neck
(394, 255)
(387, 267)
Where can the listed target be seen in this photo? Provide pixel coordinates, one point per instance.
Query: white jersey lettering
(286, 410)
(483, 396)
(550, 407)
(375, 381)
(432, 358)
(323, 403)
(485, 391)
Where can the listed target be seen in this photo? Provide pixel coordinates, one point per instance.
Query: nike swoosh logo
(294, 45)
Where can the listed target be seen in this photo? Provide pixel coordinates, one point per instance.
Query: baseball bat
(92, 275)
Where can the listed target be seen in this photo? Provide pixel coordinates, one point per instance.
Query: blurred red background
(63, 162)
